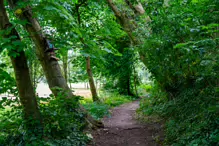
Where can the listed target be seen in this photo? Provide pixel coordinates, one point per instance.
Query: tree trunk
(135, 82)
(129, 86)
(65, 64)
(124, 22)
(34, 75)
(127, 24)
(91, 80)
(51, 68)
(69, 75)
(88, 64)
(33, 72)
(23, 80)
(138, 9)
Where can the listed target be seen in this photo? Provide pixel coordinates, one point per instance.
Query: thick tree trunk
(91, 80)
(51, 68)
(22, 75)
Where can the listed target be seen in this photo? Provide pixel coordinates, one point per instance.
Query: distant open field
(44, 91)
(78, 89)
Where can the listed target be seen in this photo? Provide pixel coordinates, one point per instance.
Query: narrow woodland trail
(122, 129)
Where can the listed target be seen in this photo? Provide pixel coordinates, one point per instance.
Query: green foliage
(155, 97)
(108, 100)
(11, 122)
(10, 43)
(182, 55)
(191, 118)
(113, 99)
(117, 100)
(181, 49)
(7, 83)
(97, 110)
(63, 124)
(119, 70)
(146, 87)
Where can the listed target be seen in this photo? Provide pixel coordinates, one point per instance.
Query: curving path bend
(122, 129)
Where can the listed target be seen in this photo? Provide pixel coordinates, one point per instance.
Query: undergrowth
(191, 118)
(108, 100)
(63, 123)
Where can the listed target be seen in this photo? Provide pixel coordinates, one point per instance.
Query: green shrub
(146, 87)
(182, 55)
(191, 118)
(116, 101)
(108, 100)
(10, 126)
(63, 124)
(97, 110)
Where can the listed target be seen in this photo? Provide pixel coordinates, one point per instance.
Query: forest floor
(123, 129)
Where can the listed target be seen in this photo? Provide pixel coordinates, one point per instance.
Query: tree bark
(22, 75)
(135, 82)
(91, 80)
(33, 73)
(138, 9)
(51, 68)
(127, 24)
(129, 86)
(88, 64)
(65, 65)
(124, 22)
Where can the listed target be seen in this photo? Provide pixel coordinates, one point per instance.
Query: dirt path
(122, 129)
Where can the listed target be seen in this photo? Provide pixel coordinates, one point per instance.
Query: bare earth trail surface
(122, 129)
